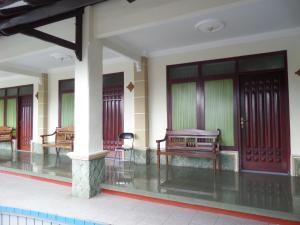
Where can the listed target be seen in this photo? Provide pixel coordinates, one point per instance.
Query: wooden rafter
(77, 46)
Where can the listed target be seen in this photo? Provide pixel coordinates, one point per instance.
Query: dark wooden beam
(43, 15)
(49, 38)
(78, 37)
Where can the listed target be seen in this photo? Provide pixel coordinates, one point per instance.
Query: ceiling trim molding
(226, 42)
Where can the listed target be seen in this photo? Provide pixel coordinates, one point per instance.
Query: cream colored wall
(157, 80)
(124, 66)
(18, 80)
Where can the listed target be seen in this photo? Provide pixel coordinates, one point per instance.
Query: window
(1, 112)
(184, 112)
(202, 94)
(219, 109)
(66, 101)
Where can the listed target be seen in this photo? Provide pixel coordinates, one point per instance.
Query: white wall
(18, 80)
(157, 80)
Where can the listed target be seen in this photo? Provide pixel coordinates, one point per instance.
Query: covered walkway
(275, 196)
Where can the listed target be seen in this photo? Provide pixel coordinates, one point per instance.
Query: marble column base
(87, 173)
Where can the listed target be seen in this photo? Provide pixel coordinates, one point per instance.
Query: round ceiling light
(210, 25)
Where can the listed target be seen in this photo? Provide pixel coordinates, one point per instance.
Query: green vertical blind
(67, 110)
(1, 112)
(219, 109)
(11, 113)
(184, 99)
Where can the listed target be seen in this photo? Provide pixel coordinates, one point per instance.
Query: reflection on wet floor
(261, 191)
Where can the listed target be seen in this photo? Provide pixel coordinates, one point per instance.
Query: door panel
(25, 109)
(112, 116)
(264, 142)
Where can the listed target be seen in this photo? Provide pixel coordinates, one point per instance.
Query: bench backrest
(64, 135)
(6, 133)
(192, 139)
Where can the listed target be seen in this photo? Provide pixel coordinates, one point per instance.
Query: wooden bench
(64, 139)
(191, 143)
(6, 135)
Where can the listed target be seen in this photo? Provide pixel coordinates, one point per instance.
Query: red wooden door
(25, 109)
(265, 145)
(112, 116)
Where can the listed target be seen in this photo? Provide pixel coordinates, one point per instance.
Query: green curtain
(219, 109)
(11, 113)
(67, 110)
(1, 112)
(184, 101)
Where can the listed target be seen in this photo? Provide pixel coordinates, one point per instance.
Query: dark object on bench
(6, 135)
(64, 139)
(191, 143)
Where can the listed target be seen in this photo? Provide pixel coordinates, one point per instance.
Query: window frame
(60, 93)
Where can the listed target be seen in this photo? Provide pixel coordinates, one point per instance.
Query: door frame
(285, 106)
(18, 118)
(122, 75)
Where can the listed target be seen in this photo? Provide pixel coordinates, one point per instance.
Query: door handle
(243, 121)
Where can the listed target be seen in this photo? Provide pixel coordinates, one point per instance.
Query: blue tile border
(46, 216)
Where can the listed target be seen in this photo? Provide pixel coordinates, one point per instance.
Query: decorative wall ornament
(130, 86)
(298, 72)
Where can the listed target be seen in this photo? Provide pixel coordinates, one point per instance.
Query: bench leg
(219, 164)
(11, 146)
(57, 151)
(167, 160)
(215, 165)
(158, 162)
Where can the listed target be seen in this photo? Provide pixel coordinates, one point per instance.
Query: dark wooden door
(264, 139)
(112, 116)
(25, 111)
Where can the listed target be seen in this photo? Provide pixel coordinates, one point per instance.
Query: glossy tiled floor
(54, 199)
(264, 194)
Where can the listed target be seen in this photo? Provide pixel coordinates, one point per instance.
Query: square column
(141, 116)
(42, 112)
(88, 158)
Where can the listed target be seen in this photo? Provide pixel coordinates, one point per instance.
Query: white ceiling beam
(129, 52)
(119, 17)
(13, 69)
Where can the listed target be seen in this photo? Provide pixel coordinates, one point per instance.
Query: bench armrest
(158, 143)
(46, 135)
(162, 140)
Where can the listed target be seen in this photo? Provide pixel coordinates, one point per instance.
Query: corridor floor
(51, 198)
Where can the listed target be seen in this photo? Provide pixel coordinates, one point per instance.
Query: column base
(87, 174)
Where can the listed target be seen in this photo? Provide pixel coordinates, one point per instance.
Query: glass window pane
(184, 100)
(11, 113)
(112, 80)
(265, 62)
(2, 92)
(227, 67)
(219, 109)
(184, 72)
(27, 90)
(1, 112)
(12, 91)
(67, 85)
(67, 110)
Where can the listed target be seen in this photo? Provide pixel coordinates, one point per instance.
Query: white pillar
(88, 156)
